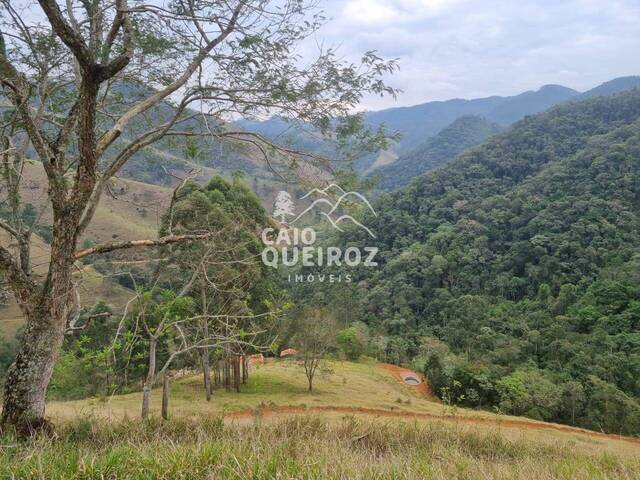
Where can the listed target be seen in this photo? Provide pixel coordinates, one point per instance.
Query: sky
(475, 48)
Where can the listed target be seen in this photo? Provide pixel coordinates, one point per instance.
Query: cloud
(370, 12)
(379, 12)
(470, 48)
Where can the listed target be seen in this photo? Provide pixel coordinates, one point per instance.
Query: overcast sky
(474, 48)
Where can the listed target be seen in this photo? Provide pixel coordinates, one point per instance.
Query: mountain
(513, 273)
(172, 155)
(419, 122)
(416, 124)
(422, 121)
(612, 87)
(507, 112)
(528, 103)
(465, 132)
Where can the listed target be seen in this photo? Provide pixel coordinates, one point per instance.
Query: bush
(352, 342)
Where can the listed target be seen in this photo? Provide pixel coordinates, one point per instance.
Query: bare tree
(63, 68)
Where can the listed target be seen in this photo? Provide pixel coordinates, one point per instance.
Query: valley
(229, 249)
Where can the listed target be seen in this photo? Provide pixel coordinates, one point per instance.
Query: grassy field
(92, 287)
(133, 211)
(277, 383)
(360, 422)
(307, 447)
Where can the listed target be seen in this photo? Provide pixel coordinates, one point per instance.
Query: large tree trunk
(46, 313)
(150, 380)
(28, 377)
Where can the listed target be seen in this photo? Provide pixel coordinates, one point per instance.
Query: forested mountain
(513, 273)
(515, 108)
(418, 123)
(465, 132)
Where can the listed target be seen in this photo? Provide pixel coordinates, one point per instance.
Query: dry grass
(122, 216)
(299, 447)
(386, 157)
(278, 383)
(277, 386)
(92, 286)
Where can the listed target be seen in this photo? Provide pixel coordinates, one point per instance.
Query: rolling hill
(129, 210)
(416, 124)
(617, 85)
(420, 122)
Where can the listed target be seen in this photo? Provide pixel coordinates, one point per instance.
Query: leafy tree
(352, 341)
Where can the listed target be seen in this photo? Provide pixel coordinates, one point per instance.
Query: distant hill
(156, 163)
(504, 111)
(416, 124)
(612, 87)
(465, 132)
(515, 108)
(422, 121)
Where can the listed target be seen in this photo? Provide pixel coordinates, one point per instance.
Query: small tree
(315, 338)
(165, 326)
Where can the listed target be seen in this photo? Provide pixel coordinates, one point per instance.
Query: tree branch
(123, 157)
(67, 34)
(21, 285)
(109, 137)
(168, 240)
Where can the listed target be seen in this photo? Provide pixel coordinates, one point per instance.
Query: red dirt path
(423, 389)
(521, 424)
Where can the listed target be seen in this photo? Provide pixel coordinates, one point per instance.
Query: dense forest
(512, 275)
(467, 131)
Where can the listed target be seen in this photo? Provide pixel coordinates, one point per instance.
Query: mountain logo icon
(284, 206)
